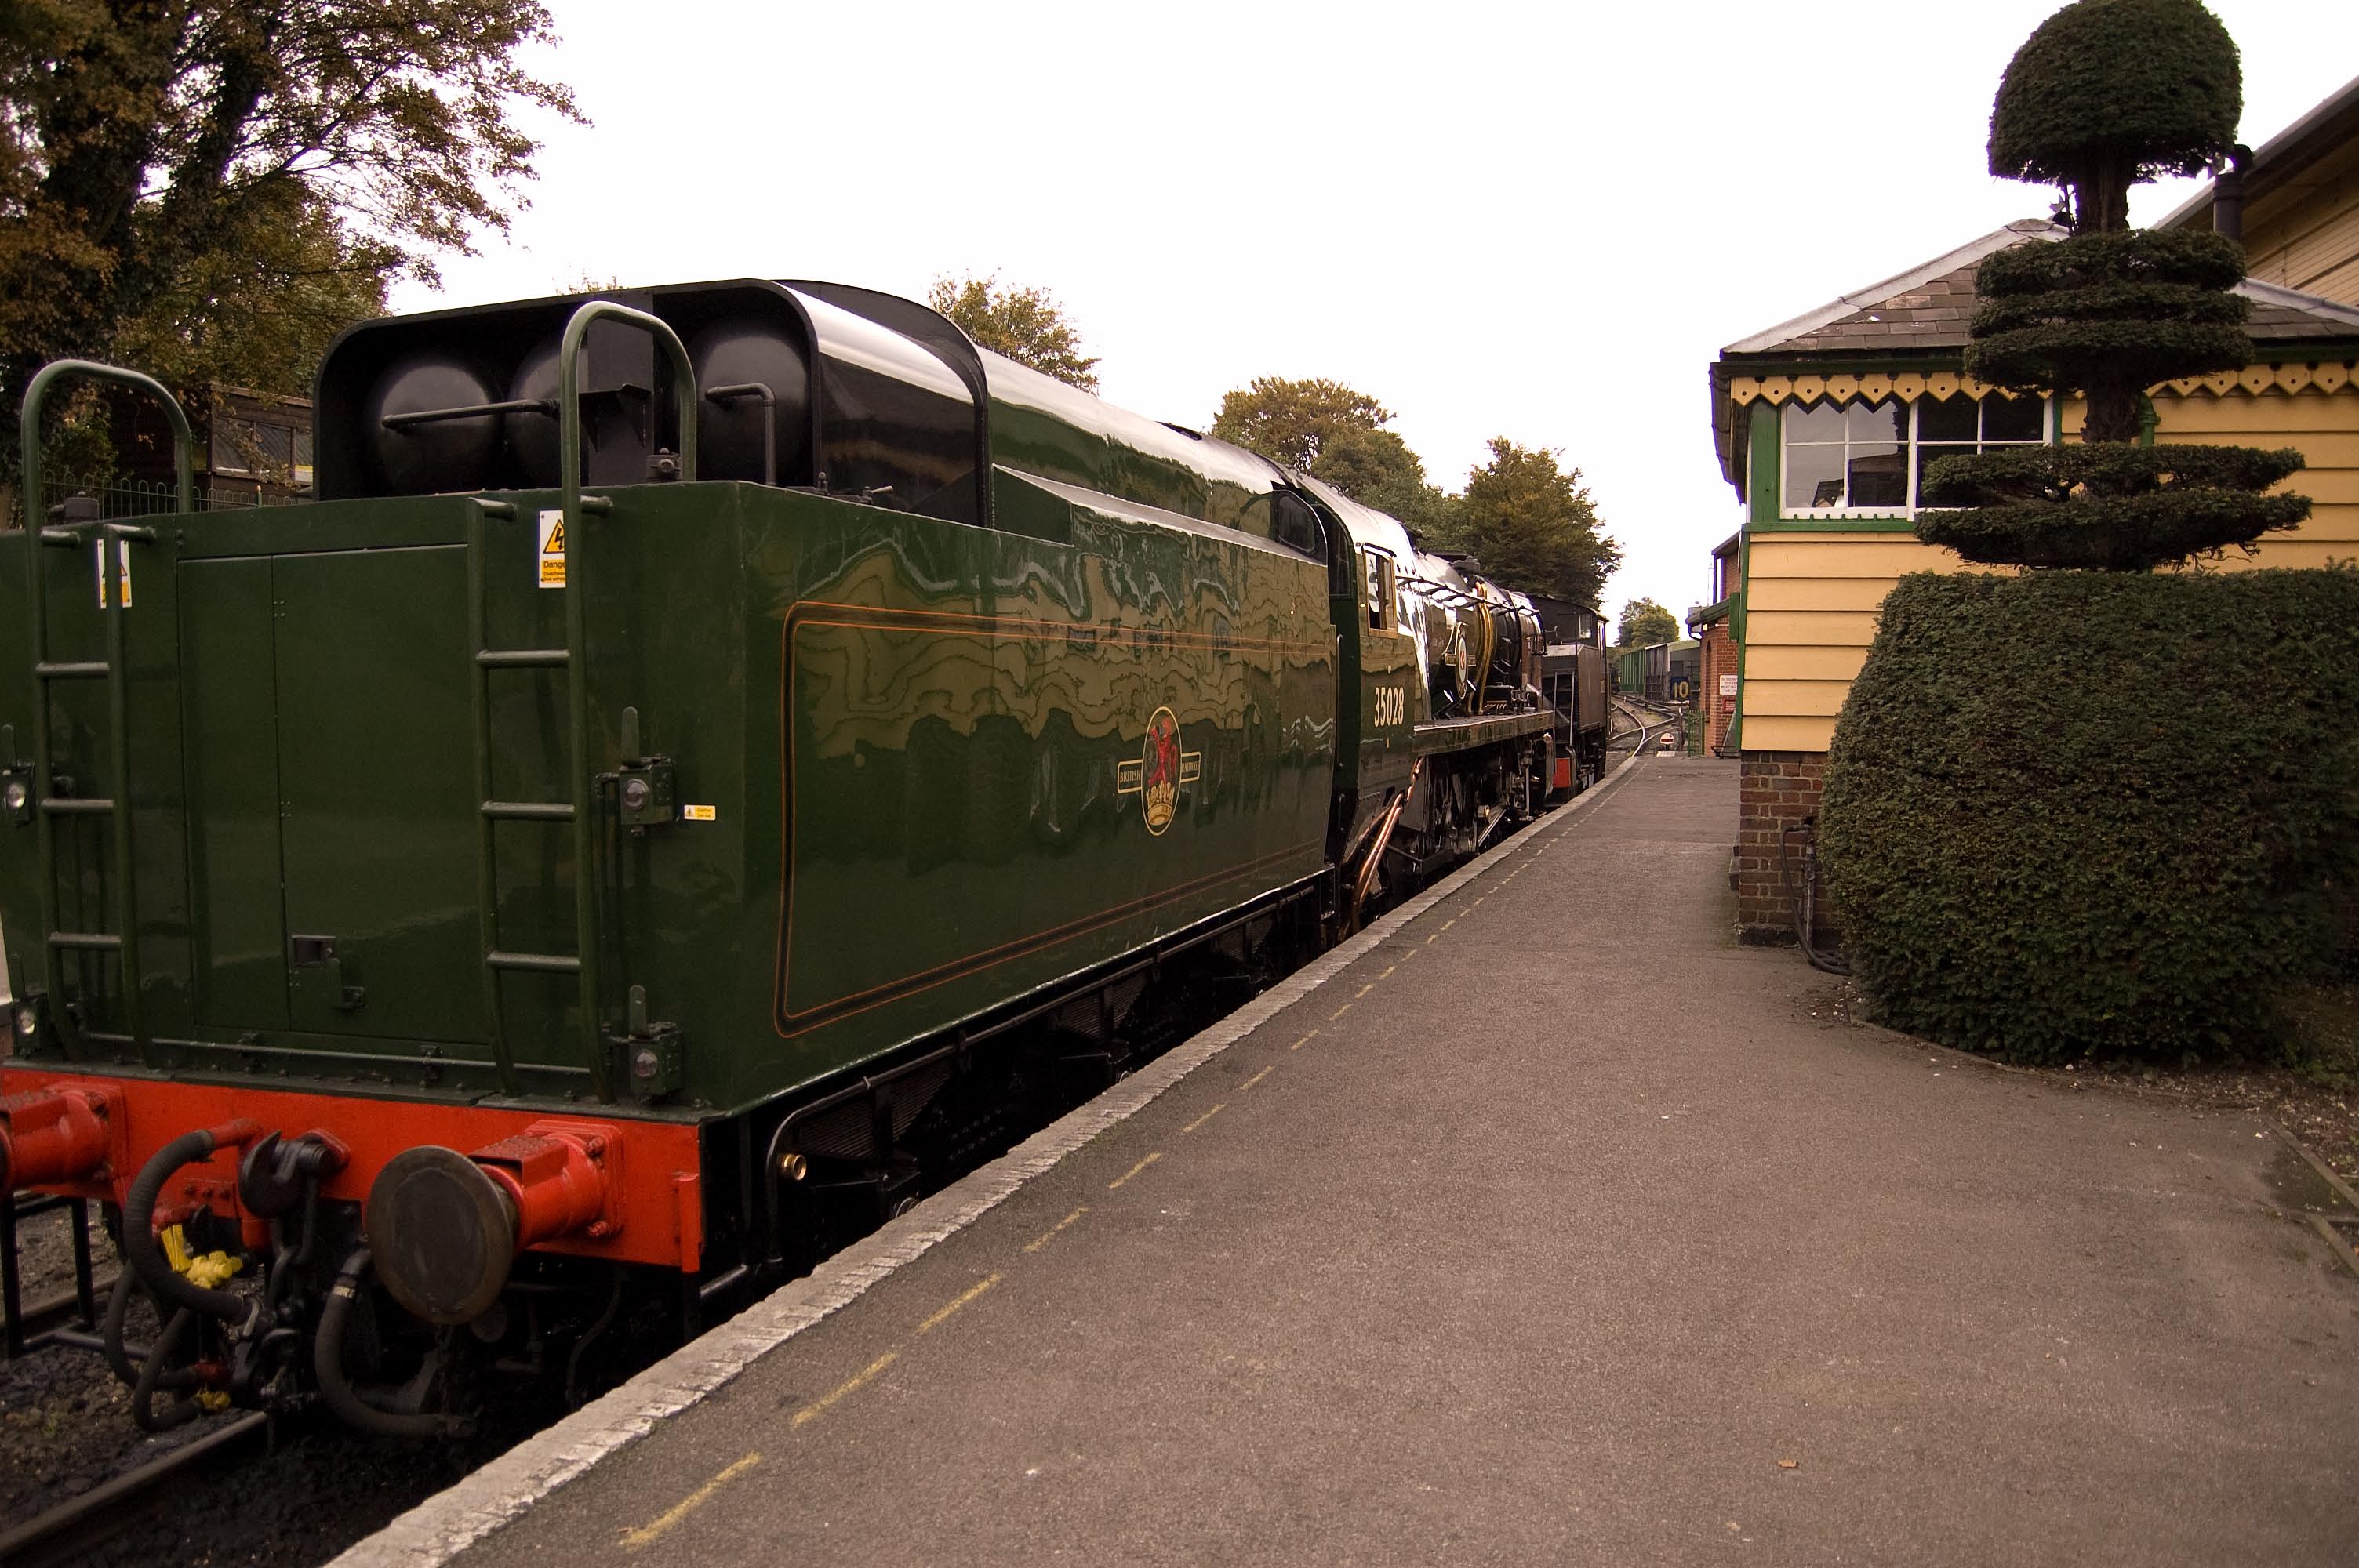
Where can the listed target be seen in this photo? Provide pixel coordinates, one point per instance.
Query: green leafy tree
(182, 179)
(1337, 434)
(1024, 324)
(258, 312)
(1645, 622)
(1297, 422)
(1532, 525)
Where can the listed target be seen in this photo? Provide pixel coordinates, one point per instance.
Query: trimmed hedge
(2076, 815)
(2053, 473)
(2153, 80)
(2194, 258)
(2085, 355)
(2121, 533)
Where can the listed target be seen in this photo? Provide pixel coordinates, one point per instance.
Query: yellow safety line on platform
(1050, 1235)
(1206, 1117)
(819, 1406)
(972, 1291)
(1135, 1170)
(1301, 1042)
(1258, 1077)
(635, 1539)
(1339, 1012)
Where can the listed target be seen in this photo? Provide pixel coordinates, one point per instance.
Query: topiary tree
(2105, 96)
(2034, 834)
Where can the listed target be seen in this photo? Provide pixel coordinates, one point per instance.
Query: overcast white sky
(1535, 222)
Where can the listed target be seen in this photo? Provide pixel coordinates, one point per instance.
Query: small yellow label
(700, 814)
(552, 549)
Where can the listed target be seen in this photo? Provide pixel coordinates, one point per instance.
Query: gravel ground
(65, 1424)
(2318, 1103)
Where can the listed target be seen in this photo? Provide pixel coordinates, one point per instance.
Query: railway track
(1645, 725)
(74, 1529)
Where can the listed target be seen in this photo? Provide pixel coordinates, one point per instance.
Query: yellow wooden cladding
(2305, 233)
(1772, 733)
(1781, 661)
(1812, 598)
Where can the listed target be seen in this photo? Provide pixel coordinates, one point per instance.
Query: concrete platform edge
(446, 1524)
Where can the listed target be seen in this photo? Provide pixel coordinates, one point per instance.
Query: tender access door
(330, 792)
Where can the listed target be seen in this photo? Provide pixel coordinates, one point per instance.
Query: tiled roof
(1933, 307)
(1926, 306)
(1934, 314)
(2282, 313)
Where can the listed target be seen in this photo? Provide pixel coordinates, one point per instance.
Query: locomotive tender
(700, 743)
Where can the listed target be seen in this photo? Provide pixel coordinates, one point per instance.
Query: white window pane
(1884, 424)
(1950, 418)
(1814, 477)
(1879, 476)
(2013, 419)
(1823, 422)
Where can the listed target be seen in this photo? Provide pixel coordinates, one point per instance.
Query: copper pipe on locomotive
(1366, 879)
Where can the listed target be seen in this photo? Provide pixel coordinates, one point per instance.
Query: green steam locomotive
(707, 753)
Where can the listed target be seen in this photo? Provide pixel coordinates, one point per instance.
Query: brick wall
(1719, 659)
(1775, 789)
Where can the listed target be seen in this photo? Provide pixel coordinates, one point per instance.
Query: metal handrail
(118, 704)
(573, 505)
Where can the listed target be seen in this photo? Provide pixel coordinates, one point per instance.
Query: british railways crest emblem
(1161, 772)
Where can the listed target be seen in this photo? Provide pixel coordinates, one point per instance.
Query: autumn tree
(1337, 434)
(1025, 324)
(1644, 623)
(1532, 526)
(217, 187)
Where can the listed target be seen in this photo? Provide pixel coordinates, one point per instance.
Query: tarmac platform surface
(1557, 1227)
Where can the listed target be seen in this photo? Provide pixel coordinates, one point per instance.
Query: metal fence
(126, 496)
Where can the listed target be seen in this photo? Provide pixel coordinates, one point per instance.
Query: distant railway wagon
(1671, 671)
(711, 756)
(1659, 672)
(1573, 681)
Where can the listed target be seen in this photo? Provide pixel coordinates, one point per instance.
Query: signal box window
(1871, 457)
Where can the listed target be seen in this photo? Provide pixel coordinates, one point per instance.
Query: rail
(69, 1533)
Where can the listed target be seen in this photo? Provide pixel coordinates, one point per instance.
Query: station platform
(1552, 1226)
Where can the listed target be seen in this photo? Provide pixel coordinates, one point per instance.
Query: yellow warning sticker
(700, 814)
(552, 549)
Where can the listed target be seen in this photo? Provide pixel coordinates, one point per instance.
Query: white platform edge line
(437, 1529)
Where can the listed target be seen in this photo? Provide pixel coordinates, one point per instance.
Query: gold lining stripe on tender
(2253, 381)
